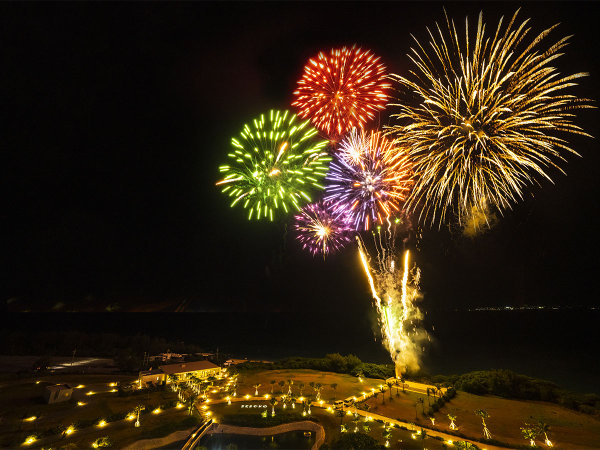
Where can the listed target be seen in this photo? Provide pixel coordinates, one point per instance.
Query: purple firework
(321, 229)
(367, 180)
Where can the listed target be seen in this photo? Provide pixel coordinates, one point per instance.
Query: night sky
(117, 115)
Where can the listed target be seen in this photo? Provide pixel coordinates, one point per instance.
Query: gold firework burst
(485, 117)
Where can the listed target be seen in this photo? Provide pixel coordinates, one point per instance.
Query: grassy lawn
(24, 398)
(347, 385)
(568, 429)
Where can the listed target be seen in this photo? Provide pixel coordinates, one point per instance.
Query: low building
(152, 377)
(58, 393)
(199, 369)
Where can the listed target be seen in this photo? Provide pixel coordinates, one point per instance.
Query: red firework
(342, 90)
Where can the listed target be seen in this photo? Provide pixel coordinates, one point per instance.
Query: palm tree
(416, 414)
(301, 387)
(484, 415)
(428, 392)
(386, 435)
(273, 402)
(317, 388)
(382, 390)
(438, 390)
(192, 400)
(390, 384)
(452, 418)
(366, 428)
(290, 382)
(281, 384)
(334, 387)
(293, 401)
(256, 386)
(530, 433)
(341, 414)
(355, 420)
(422, 402)
(543, 427)
(273, 382)
(137, 411)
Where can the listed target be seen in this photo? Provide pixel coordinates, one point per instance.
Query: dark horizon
(118, 115)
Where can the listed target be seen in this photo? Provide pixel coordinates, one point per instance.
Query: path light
(90, 393)
(157, 411)
(112, 384)
(247, 397)
(81, 403)
(30, 440)
(81, 386)
(37, 382)
(30, 419)
(131, 416)
(102, 423)
(449, 442)
(179, 405)
(70, 430)
(229, 400)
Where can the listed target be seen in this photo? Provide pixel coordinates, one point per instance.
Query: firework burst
(341, 90)
(368, 179)
(321, 230)
(483, 119)
(274, 161)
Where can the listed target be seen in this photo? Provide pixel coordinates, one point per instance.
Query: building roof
(171, 369)
(150, 372)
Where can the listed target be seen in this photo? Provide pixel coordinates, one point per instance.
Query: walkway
(147, 444)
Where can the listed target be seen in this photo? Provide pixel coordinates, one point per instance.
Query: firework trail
(342, 90)
(274, 160)
(481, 117)
(321, 230)
(368, 179)
(395, 289)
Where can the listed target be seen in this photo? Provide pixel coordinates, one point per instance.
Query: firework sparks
(395, 294)
(274, 161)
(321, 230)
(486, 117)
(342, 90)
(368, 179)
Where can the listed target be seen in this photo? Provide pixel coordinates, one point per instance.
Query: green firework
(276, 160)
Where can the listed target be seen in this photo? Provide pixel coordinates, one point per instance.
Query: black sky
(117, 115)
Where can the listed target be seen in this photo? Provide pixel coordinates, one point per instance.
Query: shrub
(355, 441)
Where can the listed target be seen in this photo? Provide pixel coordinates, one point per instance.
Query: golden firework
(483, 117)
